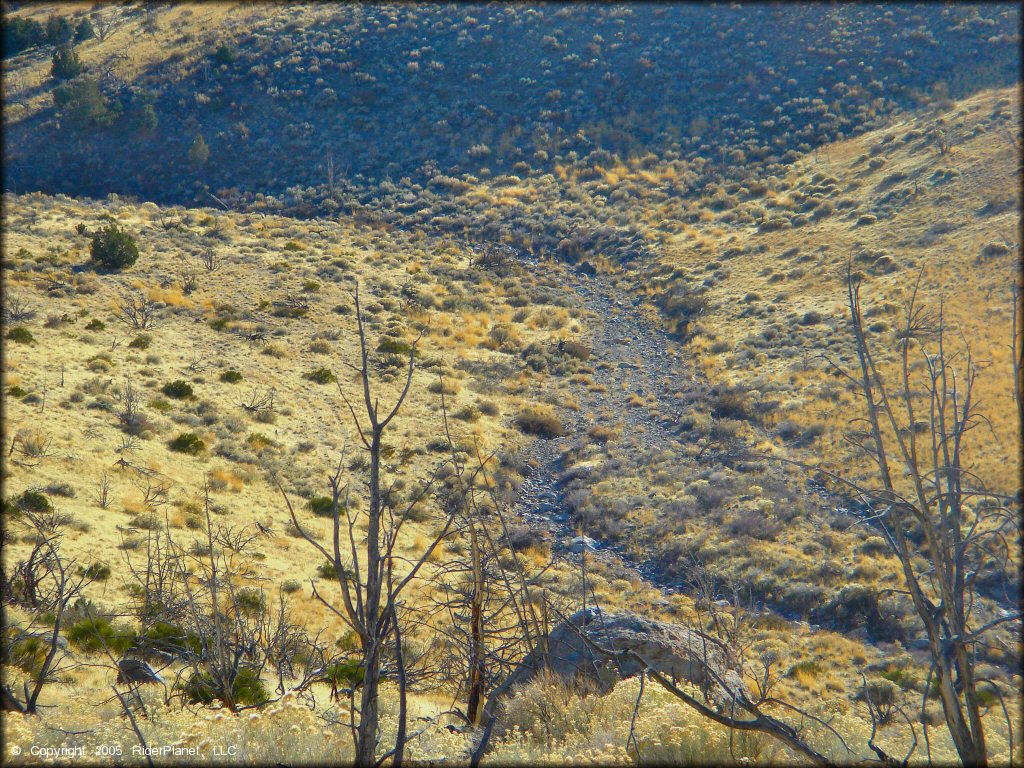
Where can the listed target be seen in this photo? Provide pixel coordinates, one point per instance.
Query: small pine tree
(113, 248)
(198, 153)
(65, 63)
(84, 105)
(59, 30)
(84, 30)
(224, 55)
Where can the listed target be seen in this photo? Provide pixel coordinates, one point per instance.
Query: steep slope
(374, 94)
(901, 205)
(275, 312)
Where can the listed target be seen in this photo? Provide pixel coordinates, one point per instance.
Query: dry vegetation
(624, 277)
(776, 304)
(272, 324)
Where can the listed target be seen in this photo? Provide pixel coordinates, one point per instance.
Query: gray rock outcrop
(678, 653)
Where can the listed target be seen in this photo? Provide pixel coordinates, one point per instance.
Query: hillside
(601, 255)
(470, 92)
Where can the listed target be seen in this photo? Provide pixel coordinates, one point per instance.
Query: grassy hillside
(277, 308)
(900, 207)
(276, 311)
(618, 239)
(445, 95)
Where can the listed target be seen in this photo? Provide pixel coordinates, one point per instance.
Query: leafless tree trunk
(1017, 350)
(370, 587)
(137, 312)
(103, 24)
(46, 582)
(916, 438)
(477, 672)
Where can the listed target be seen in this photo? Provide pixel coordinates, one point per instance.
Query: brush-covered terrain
(616, 243)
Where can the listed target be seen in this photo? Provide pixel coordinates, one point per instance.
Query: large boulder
(634, 643)
(674, 651)
(598, 649)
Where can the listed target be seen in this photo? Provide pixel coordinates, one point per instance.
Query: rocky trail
(629, 356)
(632, 356)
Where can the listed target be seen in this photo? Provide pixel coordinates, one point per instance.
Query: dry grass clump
(539, 420)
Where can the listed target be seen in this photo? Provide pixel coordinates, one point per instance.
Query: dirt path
(629, 357)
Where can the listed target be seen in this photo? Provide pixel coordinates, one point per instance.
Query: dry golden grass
(79, 368)
(938, 232)
(185, 31)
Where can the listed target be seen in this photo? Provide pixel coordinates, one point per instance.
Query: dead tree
(1017, 350)
(137, 312)
(46, 582)
(210, 260)
(188, 278)
(371, 583)
(487, 596)
(259, 401)
(205, 617)
(937, 517)
(102, 23)
(16, 309)
(130, 413)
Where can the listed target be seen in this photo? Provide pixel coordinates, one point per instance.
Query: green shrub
(21, 335)
(394, 347)
(321, 506)
(259, 441)
(142, 341)
(169, 638)
(187, 442)
(28, 654)
(246, 688)
(540, 421)
(320, 376)
(251, 601)
(93, 635)
(65, 64)
(344, 674)
(224, 55)
(96, 572)
(326, 571)
(113, 248)
(59, 29)
(178, 389)
(84, 104)
(16, 391)
(21, 34)
(95, 325)
(231, 376)
(35, 501)
(84, 30)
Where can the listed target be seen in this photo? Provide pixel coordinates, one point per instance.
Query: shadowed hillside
(432, 93)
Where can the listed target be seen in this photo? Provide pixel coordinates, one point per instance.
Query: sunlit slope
(934, 197)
